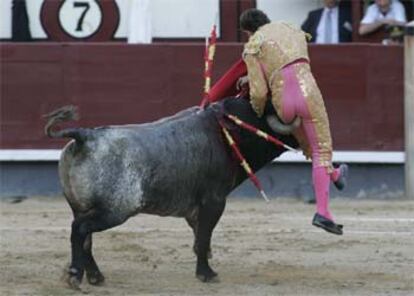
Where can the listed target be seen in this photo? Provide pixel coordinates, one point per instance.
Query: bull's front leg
(210, 212)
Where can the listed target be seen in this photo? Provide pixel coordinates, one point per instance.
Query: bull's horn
(279, 127)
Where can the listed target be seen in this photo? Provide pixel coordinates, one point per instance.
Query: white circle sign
(80, 18)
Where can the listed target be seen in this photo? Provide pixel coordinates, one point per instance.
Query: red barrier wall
(119, 83)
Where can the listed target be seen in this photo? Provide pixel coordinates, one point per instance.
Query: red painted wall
(118, 83)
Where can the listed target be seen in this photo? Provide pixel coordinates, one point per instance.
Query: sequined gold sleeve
(257, 83)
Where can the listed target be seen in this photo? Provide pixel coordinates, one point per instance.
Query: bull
(178, 166)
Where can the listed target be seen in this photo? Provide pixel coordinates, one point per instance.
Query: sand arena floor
(258, 249)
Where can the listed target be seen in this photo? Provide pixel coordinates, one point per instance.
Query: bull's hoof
(207, 276)
(95, 278)
(71, 277)
(74, 283)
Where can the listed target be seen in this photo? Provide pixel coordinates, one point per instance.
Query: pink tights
(294, 104)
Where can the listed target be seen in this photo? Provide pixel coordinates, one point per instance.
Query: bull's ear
(281, 128)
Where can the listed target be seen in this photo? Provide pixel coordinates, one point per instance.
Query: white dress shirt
(396, 12)
(321, 32)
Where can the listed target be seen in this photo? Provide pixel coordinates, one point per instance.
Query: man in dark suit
(331, 24)
(20, 22)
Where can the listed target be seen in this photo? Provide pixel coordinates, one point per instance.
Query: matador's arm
(257, 83)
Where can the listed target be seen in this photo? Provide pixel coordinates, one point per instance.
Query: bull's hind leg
(193, 222)
(93, 274)
(208, 216)
(82, 227)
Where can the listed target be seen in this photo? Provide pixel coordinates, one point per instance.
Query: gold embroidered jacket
(269, 49)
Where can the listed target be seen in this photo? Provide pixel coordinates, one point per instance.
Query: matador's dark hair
(253, 19)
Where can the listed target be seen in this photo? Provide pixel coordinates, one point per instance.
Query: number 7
(84, 5)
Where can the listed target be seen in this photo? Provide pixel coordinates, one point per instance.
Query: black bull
(179, 166)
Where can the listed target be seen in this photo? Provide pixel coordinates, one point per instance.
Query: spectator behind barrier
(383, 14)
(20, 22)
(331, 24)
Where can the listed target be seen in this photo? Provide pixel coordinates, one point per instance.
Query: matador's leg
(302, 97)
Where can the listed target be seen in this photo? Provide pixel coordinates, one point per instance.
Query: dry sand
(258, 249)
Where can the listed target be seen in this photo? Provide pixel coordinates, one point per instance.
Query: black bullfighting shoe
(340, 184)
(326, 224)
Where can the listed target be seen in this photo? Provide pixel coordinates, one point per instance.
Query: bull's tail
(63, 114)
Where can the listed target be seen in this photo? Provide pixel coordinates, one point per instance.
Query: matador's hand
(241, 83)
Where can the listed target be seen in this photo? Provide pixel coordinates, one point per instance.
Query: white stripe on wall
(351, 157)
(392, 157)
(30, 154)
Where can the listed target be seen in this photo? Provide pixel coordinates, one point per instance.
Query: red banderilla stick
(258, 132)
